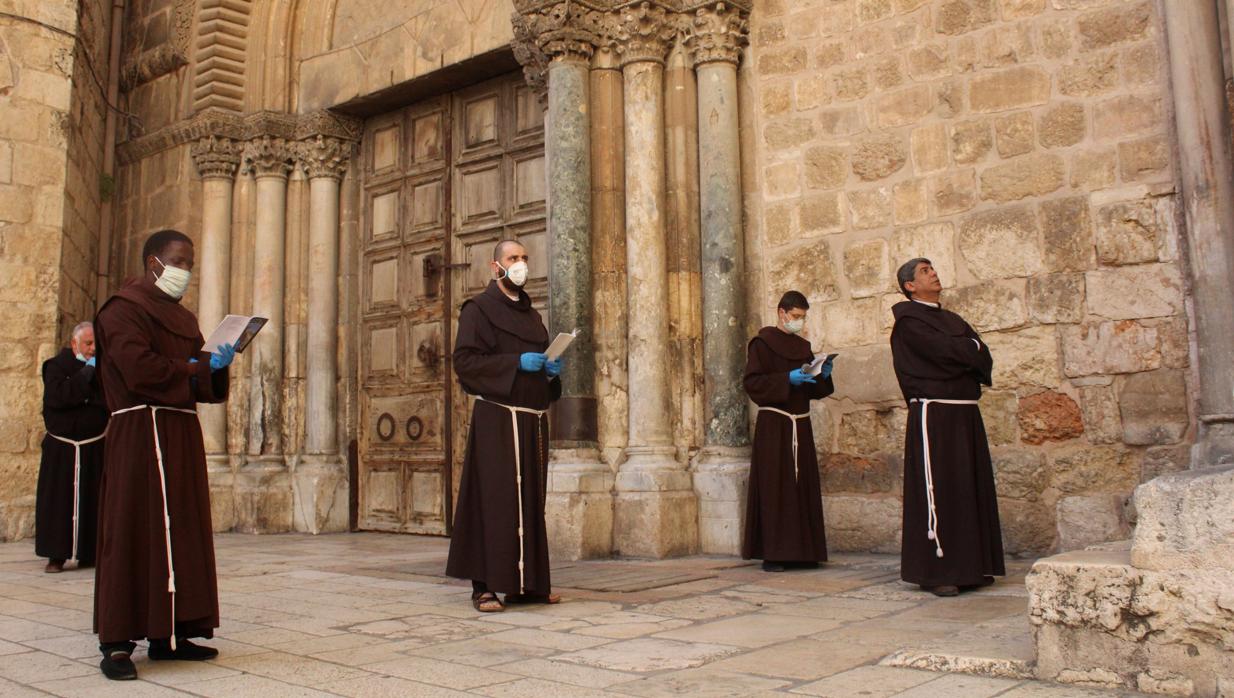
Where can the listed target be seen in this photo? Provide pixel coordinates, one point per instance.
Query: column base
(269, 462)
(263, 501)
(656, 510)
(721, 480)
(1215, 443)
(320, 495)
(579, 509)
(222, 498)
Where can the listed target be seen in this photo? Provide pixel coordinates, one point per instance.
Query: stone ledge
(1180, 524)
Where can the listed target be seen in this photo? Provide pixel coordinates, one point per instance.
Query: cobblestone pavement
(369, 615)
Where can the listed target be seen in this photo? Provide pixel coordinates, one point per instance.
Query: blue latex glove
(826, 373)
(553, 368)
(90, 362)
(798, 376)
(531, 362)
(222, 358)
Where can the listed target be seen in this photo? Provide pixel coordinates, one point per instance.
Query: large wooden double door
(445, 179)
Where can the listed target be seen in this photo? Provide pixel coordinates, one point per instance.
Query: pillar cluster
(645, 234)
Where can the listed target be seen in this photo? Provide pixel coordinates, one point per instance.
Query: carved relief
(324, 157)
(645, 33)
(215, 156)
(147, 65)
(717, 32)
(269, 156)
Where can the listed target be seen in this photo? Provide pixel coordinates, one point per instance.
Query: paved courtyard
(368, 615)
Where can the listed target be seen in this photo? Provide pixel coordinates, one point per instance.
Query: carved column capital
(645, 32)
(717, 32)
(554, 30)
(215, 157)
(324, 156)
(269, 156)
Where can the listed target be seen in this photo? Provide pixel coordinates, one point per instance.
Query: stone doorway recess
(443, 179)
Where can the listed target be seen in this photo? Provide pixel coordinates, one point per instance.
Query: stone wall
(1023, 146)
(51, 121)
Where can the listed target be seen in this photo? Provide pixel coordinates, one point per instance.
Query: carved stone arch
(221, 46)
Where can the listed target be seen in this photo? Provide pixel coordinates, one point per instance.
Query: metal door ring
(415, 428)
(385, 426)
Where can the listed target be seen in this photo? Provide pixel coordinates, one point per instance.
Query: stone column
(216, 159)
(319, 484)
(270, 158)
(722, 472)
(1205, 173)
(656, 513)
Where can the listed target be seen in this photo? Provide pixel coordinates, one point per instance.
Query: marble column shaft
(322, 371)
(1206, 173)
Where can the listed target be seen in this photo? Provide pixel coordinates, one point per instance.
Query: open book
(815, 367)
(236, 330)
(559, 345)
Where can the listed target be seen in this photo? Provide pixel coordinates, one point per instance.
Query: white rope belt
(793, 419)
(931, 512)
(158, 455)
(77, 476)
(518, 473)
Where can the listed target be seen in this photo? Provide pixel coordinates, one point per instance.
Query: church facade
(673, 166)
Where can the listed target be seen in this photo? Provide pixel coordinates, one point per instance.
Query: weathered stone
(954, 191)
(1114, 25)
(873, 10)
(822, 213)
(1056, 37)
(1022, 86)
(1141, 64)
(783, 62)
(788, 133)
(1141, 158)
(1020, 474)
(1067, 233)
(1049, 416)
(1141, 291)
(863, 523)
(1099, 407)
(934, 241)
(1025, 358)
(777, 100)
(1062, 125)
(905, 106)
(780, 225)
(970, 141)
(1056, 298)
(829, 55)
(826, 167)
(928, 62)
(878, 157)
(1006, 44)
(1093, 469)
(782, 180)
(1033, 175)
(989, 306)
(866, 268)
(1153, 407)
(843, 121)
(1001, 243)
(1109, 347)
(869, 376)
(998, 411)
(1175, 342)
(929, 147)
(848, 323)
(1128, 233)
(844, 473)
(1127, 115)
(1014, 134)
(811, 92)
(1019, 9)
(809, 269)
(956, 17)
(908, 202)
(851, 83)
(1028, 526)
(871, 208)
(1091, 75)
(1093, 170)
(1183, 523)
(1089, 520)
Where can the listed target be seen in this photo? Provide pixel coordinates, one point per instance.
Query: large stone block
(908, 202)
(822, 213)
(1153, 407)
(1022, 86)
(808, 268)
(1032, 175)
(1129, 293)
(870, 523)
(1028, 527)
(866, 432)
(826, 167)
(905, 106)
(1014, 134)
(998, 412)
(1001, 243)
(866, 268)
(1090, 520)
(929, 148)
(1099, 408)
(1062, 125)
(870, 208)
(878, 157)
(1067, 234)
(320, 499)
(971, 141)
(655, 524)
(953, 191)
(934, 241)
(1145, 158)
(1114, 25)
(1109, 347)
(844, 473)
(1056, 298)
(849, 323)
(1129, 232)
(865, 375)
(1049, 416)
(1127, 115)
(989, 306)
(1090, 75)
(788, 133)
(579, 524)
(1184, 522)
(1093, 469)
(1094, 170)
(1020, 474)
(1026, 358)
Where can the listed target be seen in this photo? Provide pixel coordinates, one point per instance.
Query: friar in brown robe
(952, 539)
(784, 506)
(151, 570)
(499, 540)
(75, 415)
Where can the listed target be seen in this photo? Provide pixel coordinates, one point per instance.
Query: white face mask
(174, 281)
(517, 273)
(794, 326)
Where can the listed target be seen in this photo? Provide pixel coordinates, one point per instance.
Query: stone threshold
(1000, 649)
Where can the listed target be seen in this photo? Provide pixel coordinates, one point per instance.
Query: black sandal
(480, 599)
(549, 599)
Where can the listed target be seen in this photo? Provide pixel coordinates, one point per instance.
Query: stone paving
(368, 615)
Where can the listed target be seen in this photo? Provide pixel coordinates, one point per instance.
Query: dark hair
(157, 242)
(907, 272)
(793, 300)
(501, 246)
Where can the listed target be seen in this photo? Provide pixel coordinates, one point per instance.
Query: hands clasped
(534, 362)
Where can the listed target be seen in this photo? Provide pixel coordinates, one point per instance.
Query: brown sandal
(487, 602)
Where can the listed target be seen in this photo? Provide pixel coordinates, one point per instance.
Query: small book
(815, 367)
(236, 330)
(559, 345)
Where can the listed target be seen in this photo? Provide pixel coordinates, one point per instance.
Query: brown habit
(938, 356)
(73, 409)
(144, 342)
(493, 333)
(784, 510)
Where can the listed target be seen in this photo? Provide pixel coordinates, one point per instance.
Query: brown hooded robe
(493, 333)
(938, 356)
(145, 339)
(784, 511)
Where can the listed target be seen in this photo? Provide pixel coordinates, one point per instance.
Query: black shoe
(185, 651)
(118, 667)
(769, 566)
(943, 590)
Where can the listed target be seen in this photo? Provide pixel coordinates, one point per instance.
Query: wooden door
(444, 180)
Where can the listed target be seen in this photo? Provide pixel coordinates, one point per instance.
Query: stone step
(1001, 648)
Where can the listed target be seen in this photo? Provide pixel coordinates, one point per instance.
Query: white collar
(932, 305)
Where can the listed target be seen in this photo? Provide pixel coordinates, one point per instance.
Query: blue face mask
(82, 357)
